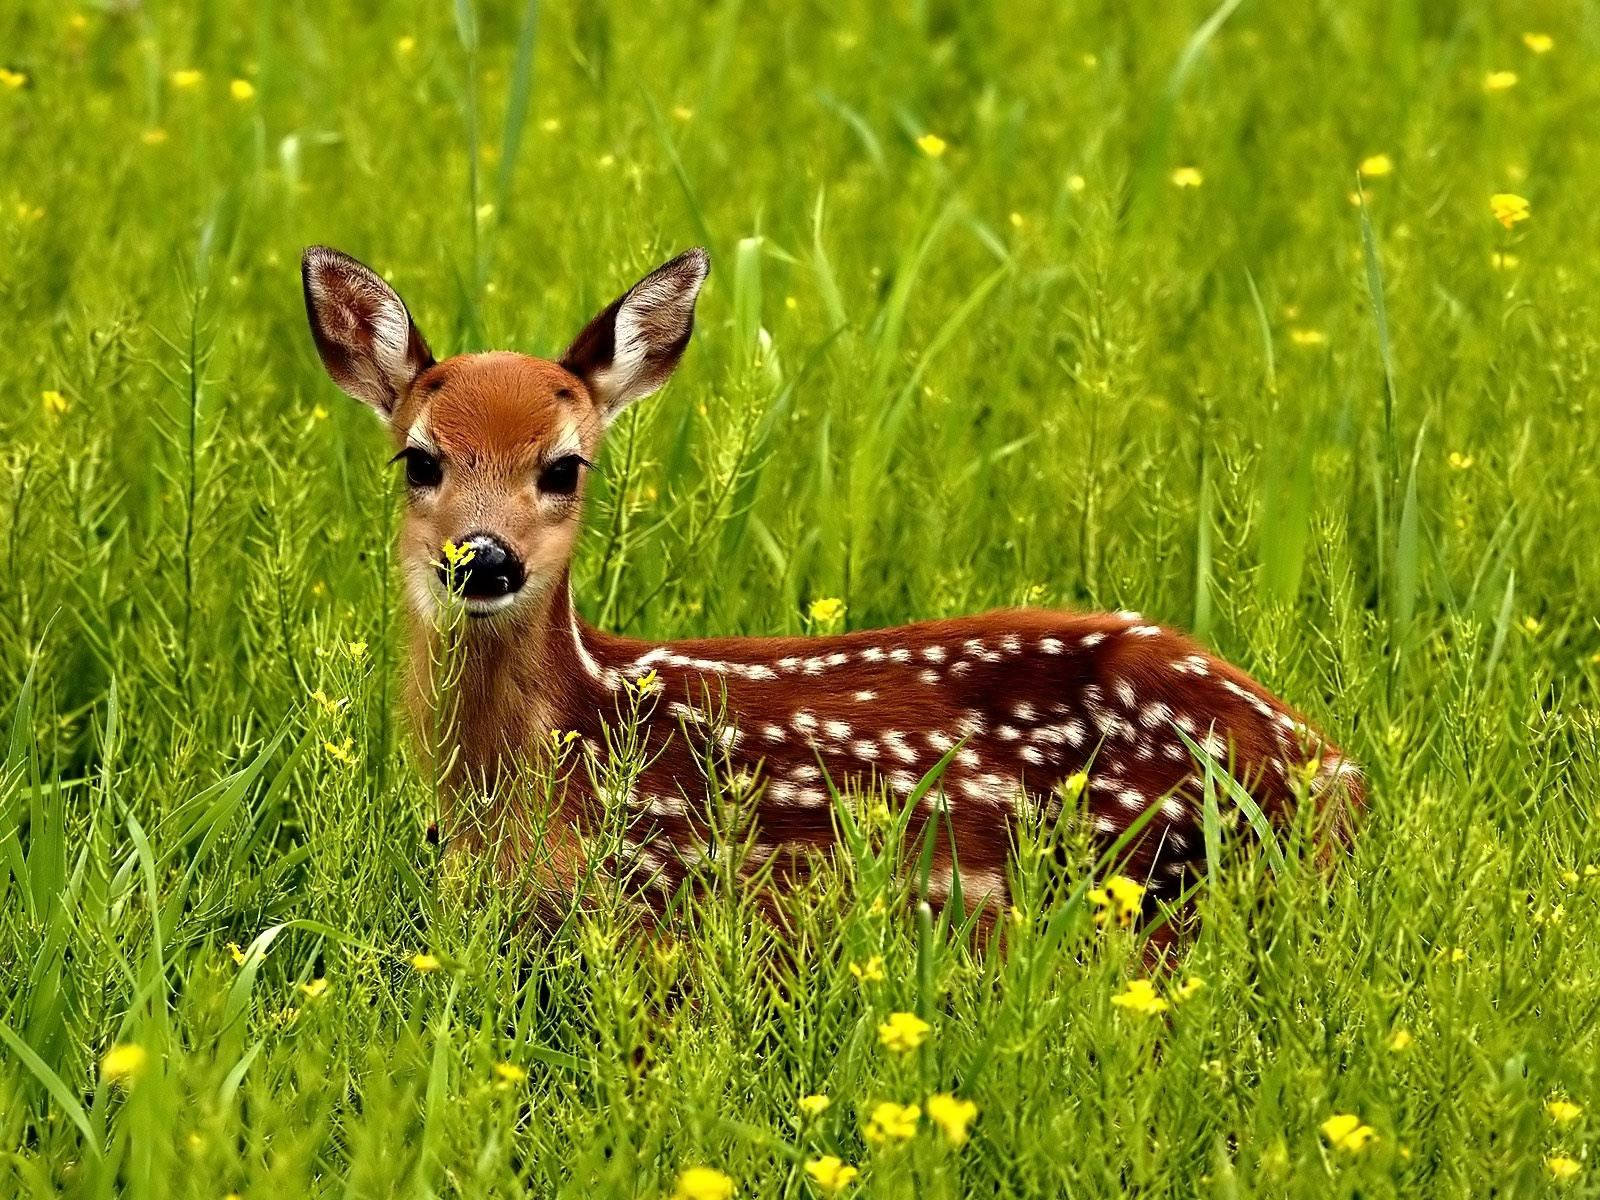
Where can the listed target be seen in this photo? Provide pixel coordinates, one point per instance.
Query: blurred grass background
(1072, 305)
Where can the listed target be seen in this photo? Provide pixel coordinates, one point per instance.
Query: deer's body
(1022, 700)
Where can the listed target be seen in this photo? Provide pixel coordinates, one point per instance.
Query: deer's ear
(630, 349)
(362, 329)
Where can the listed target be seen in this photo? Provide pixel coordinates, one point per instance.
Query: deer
(1019, 711)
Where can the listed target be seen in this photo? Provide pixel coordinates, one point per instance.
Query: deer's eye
(423, 470)
(560, 478)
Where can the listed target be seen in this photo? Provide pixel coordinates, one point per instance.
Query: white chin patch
(487, 608)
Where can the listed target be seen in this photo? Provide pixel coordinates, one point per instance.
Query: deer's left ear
(631, 348)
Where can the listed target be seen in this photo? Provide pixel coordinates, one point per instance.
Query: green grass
(1340, 443)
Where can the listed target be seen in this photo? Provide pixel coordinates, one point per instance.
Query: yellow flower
(1561, 1167)
(237, 954)
(1400, 1039)
(683, 112)
(13, 81)
(406, 45)
(1539, 43)
(154, 136)
(1499, 81)
(648, 682)
(1121, 898)
(1345, 1131)
(1017, 221)
(952, 1116)
(1532, 624)
(1188, 988)
(187, 79)
(1508, 208)
(826, 610)
(123, 1062)
(456, 556)
(1187, 177)
(344, 751)
(242, 90)
(54, 403)
(356, 650)
(1076, 183)
(831, 1173)
(870, 971)
(903, 1032)
(1460, 461)
(932, 145)
(424, 962)
(509, 1073)
(1308, 337)
(1375, 166)
(814, 1105)
(315, 989)
(702, 1183)
(1504, 262)
(1563, 1111)
(1140, 997)
(891, 1122)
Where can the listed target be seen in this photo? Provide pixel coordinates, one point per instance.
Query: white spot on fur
(773, 733)
(895, 743)
(934, 654)
(1008, 733)
(1030, 754)
(1023, 712)
(865, 748)
(837, 730)
(929, 677)
(1090, 640)
(1125, 693)
(1051, 645)
(1144, 631)
(872, 654)
(866, 697)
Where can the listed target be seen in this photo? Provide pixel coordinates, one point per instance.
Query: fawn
(495, 448)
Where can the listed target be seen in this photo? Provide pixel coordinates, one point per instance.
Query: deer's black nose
(484, 568)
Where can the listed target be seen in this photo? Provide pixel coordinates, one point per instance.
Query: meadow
(1275, 323)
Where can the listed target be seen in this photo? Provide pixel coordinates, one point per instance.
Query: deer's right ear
(362, 329)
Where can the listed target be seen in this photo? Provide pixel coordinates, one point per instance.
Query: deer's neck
(486, 695)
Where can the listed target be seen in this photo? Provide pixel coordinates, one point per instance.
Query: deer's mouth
(479, 607)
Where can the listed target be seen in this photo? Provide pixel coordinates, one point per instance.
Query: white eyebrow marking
(417, 435)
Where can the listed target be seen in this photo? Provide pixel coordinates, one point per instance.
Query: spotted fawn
(496, 448)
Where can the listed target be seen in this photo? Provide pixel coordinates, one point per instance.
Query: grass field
(1070, 305)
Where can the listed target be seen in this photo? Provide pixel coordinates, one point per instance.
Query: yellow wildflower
(813, 1106)
(1345, 1131)
(509, 1073)
(1140, 996)
(1508, 208)
(236, 954)
(456, 556)
(683, 112)
(155, 136)
(1504, 262)
(1076, 183)
(932, 145)
(123, 1062)
(831, 1173)
(1308, 337)
(1017, 221)
(870, 971)
(1561, 1167)
(405, 45)
(826, 610)
(356, 650)
(1375, 166)
(315, 989)
(343, 751)
(1187, 177)
(424, 962)
(328, 704)
(891, 1122)
(648, 682)
(1539, 43)
(952, 1116)
(1499, 81)
(242, 90)
(1188, 988)
(1400, 1040)
(1460, 461)
(1563, 1111)
(702, 1183)
(187, 79)
(903, 1032)
(54, 403)
(1121, 898)
(1531, 624)
(13, 81)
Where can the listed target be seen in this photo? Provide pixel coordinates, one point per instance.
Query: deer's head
(495, 446)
